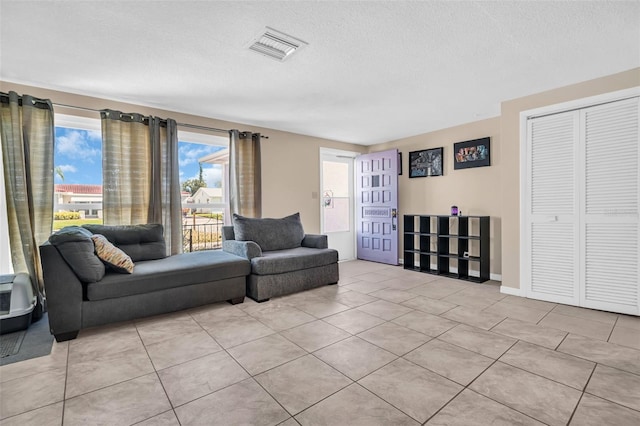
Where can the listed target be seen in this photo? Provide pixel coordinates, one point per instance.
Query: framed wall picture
(399, 163)
(473, 153)
(427, 162)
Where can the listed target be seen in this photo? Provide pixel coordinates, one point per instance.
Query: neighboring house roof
(78, 188)
(218, 157)
(208, 192)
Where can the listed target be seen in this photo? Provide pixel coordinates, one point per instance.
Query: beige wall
(475, 191)
(290, 162)
(510, 132)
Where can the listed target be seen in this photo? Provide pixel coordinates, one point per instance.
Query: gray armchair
(283, 258)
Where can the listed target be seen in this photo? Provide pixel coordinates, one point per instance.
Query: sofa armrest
(227, 233)
(315, 241)
(63, 290)
(246, 249)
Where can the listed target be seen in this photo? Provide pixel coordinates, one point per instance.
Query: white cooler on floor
(17, 302)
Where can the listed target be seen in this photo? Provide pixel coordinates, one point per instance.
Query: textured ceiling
(372, 72)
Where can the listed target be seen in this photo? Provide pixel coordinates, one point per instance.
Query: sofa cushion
(111, 255)
(270, 234)
(281, 261)
(140, 242)
(173, 271)
(76, 247)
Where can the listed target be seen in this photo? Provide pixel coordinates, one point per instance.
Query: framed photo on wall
(427, 162)
(473, 153)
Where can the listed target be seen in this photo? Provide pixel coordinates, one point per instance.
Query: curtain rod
(191, 126)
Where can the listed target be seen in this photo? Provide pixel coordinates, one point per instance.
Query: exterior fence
(201, 236)
(200, 231)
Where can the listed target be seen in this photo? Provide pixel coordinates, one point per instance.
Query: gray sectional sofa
(283, 258)
(82, 293)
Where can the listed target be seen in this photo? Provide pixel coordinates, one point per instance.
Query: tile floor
(384, 347)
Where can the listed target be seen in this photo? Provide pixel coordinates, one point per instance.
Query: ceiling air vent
(275, 44)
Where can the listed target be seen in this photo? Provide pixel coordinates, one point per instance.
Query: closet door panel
(610, 208)
(551, 211)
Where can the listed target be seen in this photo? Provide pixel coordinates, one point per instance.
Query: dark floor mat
(36, 341)
(10, 343)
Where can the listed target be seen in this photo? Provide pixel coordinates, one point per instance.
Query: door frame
(341, 154)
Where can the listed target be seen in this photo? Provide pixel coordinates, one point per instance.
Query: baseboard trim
(511, 291)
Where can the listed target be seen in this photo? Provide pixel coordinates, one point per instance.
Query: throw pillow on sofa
(111, 255)
(270, 234)
(76, 247)
(139, 242)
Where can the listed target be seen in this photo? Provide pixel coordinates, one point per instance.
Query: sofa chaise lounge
(81, 293)
(283, 258)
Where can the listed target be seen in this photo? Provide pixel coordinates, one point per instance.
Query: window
(77, 160)
(78, 180)
(202, 163)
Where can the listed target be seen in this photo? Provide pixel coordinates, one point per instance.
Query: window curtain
(28, 134)
(140, 173)
(245, 183)
(166, 203)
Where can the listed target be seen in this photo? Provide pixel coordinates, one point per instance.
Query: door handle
(394, 219)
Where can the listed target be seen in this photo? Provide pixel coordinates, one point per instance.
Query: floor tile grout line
(595, 365)
(325, 346)
(66, 378)
(612, 328)
(442, 407)
(159, 414)
(250, 376)
(112, 384)
(34, 409)
(437, 373)
(540, 375)
(612, 402)
(317, 402)
(544, 316)
(599, 362)
(561, 342)
(400, 409)
(507, 406)
(575, 409)
(492, 399)
(353, 382)
(155, 371)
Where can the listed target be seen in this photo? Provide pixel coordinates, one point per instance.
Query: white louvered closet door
(610, 252)
(582, 197)
(552, 227)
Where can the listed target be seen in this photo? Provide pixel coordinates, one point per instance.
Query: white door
(337, 202)
(580, 216)
(377, 206)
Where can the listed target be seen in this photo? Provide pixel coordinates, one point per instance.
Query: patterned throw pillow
(111, 255)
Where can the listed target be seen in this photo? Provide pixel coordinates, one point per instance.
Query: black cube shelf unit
(423, 232)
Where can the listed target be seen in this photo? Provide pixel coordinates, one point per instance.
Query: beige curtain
(140, 173)
(165, 203)
(27, 129)
(126, 168)
(245, 183)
